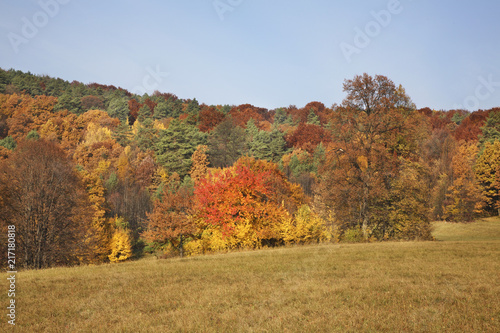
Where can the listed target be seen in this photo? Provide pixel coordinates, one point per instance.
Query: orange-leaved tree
(172, 219)
(464, 201)
(246, 203)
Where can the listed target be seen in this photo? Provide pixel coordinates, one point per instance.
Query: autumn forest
(90, 173)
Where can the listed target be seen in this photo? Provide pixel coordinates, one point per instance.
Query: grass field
(450, 285)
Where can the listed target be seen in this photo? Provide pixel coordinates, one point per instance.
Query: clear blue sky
(268, 53)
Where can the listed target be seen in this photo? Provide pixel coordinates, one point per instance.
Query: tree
(487, 169)
(491, 129)
(247, 203)
(91, 102)
(8, 142)
(409, 214)
(193, 107)
(312, 118)
(470, 127)
(209, 118)
(123, 134)
(172, 219)
(162, 110)
(200, 163)
(98, 235)
(268, 146)
(243, 113)
(367, 131)
(70, 103)
(236, 197)
(464, 199)
(3, 80)
(33, 135)
(171, 107)
(144, 113)
(226, 143)
(46, 203)
(118, 108)
(146, 134)
(121, 242)
(308, 136)
(175, 146)
(281, 117)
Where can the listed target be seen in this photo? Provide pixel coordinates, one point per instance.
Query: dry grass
(443, 286)
(484, 229)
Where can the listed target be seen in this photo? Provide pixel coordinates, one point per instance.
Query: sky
(268, 53)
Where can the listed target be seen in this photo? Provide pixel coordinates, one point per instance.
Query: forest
(90, 173)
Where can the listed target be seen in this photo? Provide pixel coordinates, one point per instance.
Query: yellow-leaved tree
(96, 133)
(464, 199)
(121, 242)
(99, 236)
(487, 170)
(199, 169)
(304, 228)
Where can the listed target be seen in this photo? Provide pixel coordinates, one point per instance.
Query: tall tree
(268, 146)
(487, 170)
(356, 176)
(226, 143)
(118, 108)
(46, 203)
(491, 129)
(175, 146)
(465, 200)
(172, 219)
(200, 163)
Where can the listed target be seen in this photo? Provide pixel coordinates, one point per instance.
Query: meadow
(448, 285)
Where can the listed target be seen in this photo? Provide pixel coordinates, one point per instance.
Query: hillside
(92, 174)
(440, 286)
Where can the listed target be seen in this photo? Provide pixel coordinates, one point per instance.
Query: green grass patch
(443, 286)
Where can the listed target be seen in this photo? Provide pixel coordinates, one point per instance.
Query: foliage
(199, 168)
(372, 168)
(269, 146)
(33, 135)
(491, 129)
(121, 242)
(43, 198)
(487, 169)
(465, 201)
(409, 214)
(175, 146)
(355, 178)
(304, 228)
(118, 108)
(172, 219)
(8, 143)
(308, 137)
(245, 205)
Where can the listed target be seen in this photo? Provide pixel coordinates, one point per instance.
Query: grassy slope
(428, 286)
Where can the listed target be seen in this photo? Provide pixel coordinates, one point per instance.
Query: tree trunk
(181, 247)
(364, 211)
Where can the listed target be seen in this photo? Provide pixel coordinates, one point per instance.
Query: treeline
(91, 173)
